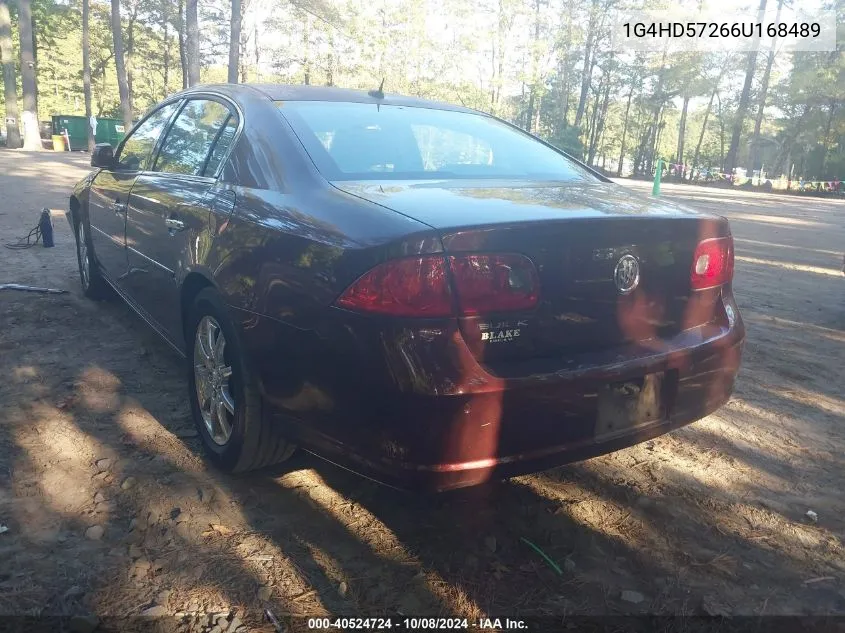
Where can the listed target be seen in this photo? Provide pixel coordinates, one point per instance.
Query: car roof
(284, 92)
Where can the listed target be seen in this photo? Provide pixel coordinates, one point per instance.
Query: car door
(173, 208)
(109, 193)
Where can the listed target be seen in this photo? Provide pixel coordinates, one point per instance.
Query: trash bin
(76, 131)
(108, 131)
(58, 143)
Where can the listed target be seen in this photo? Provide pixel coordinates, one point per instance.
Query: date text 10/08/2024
(416, 624)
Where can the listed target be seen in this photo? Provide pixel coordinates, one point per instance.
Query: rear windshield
(364, 141)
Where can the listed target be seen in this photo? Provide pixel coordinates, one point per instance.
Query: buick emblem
(626, 275)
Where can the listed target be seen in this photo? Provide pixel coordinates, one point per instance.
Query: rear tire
(225, 400)
(93, 284)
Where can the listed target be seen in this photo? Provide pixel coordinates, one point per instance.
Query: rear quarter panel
(288, 256)
(280, 263)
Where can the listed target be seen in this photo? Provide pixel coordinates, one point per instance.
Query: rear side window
(189, 141)
(222, 145)
(136, 153)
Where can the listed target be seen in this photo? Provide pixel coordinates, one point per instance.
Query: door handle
(119, 207)
(174, 225)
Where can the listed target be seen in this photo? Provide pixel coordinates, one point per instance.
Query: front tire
(93, 284)
(225, 400)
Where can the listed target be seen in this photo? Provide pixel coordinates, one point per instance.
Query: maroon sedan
(416, 291)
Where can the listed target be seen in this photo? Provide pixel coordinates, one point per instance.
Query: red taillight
(712, 263)
(420, 287)
(402, 287)
(494, 283)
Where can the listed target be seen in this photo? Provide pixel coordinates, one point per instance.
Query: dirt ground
(111, 509)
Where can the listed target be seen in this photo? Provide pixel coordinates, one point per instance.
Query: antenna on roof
(378, 94)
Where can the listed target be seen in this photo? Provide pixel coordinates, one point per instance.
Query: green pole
(655, 190)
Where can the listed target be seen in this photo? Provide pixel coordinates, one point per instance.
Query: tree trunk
(495, 49)
(256, 49)
(235, 42)
(586, 76)
(624, 133)
(120, 65)
(529, 112)
(682, 130)
(592, 125)
(564, 68)
(499, 72)
(764, 89)
(31, 134)
(192, 42)
(537, 111)
(707, 115)
(639, 157)
(598, 131)
(657, 137)
(183, 54)
(721, 133)
(493, 77)
(532, 96)
(826, 140)
(34, 31)
(654, 131)
(129, 58)
(86, 70)
(166, 54)
(330, 70)
(10, 90)
(653, 141)
(562, 87)
(786, 145)
(564, 115)
(244, 67)
(638, 125)
(502, 29)
(101, 74)
(306, 47)
(594, 133)
(733, 150)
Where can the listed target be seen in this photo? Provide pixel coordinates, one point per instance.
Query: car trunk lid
(583, 240)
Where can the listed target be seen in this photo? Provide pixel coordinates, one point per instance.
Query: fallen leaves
(217, 528)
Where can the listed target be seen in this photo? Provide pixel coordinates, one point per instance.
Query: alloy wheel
(212, 376)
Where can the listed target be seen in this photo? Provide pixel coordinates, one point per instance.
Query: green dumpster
(108, 130)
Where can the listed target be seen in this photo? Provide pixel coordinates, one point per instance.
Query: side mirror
(102, 156)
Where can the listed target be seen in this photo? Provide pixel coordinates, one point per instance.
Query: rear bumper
(491, 426)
